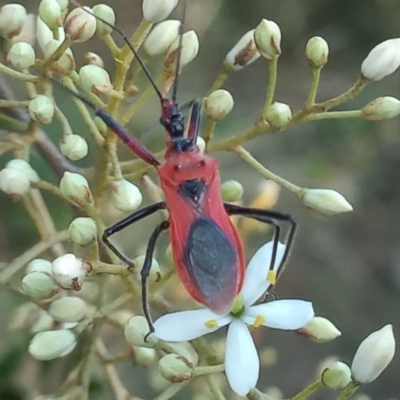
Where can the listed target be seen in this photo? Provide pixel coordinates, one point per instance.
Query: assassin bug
(206, 247)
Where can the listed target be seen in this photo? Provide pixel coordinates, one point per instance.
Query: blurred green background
(348, 265)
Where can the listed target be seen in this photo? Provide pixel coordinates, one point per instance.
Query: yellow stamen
(260, 319)
(271, 276)
(212, 323)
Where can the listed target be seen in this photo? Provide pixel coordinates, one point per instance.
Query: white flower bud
(95, 79)
(320, 330)
(65, 64)
(40, 265)
(144, 355)
(44, 34)
(157, 10)
(161, 37)
(74, 147)
(69, 271)
(336, 375)
(21, 55)
(218, 104)
(14, 182)
(186, 350)
(82, 230)
(24, 167)
(382, 60)
(63, 4)
(41, 109)
(188, 51)
(125, 196)
(243, 53)
(75, 188)
(94, 59)
(317, 51)
(106, 13)
(80, 25)
(50, 13)
(155, 272)
(45, 322)
(381, 108)
(175, 368)
(373, 355)
(231, 191)
(325, 201)
(12, 19)
(201, 144)
(136, 330)
(68, 309)
(52, 344)
(267, 37)
(279, 115)
(39, 285)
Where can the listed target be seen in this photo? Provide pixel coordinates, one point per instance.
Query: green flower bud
(80, 25)
(157, 10)
(107, 14)
(75, 188)
(325, 201)
(65, 64)
(317, 51)
(40, 265)
(175, 368)
(336, 375)
(243, 53)
(155, 272)
(136, 330)
(188, 51)
(161, 37)
(63, 5)
(279, 115)
(267, 37)
(39, 285)
(231, 191)
(12, 19)
(95, 79)
(185, 350)
(24, 167)
(74, 147)
(44, 34)
(14, 182)
(69, 271)
(144, 355)
(68, 309)
(94, 59)
(218, 104)
(50, 13)
(45, 322)
(21, 56)
(320, 330)
(125, 196)
(41, 109)
(82, 230)
(381, 108)
(48, 345)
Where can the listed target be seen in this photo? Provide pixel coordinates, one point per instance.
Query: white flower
(242, 363)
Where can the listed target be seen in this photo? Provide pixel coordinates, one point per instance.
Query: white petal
(283, 314)
(256, 278)
(188, 325)
(242, 365)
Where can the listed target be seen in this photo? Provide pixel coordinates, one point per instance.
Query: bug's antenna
(129, 44)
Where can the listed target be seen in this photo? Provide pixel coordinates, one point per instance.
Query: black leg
(130, 219)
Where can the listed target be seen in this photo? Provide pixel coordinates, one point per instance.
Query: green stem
(348, 391)
(308, 391)
(11, 124)
(272, 78)
(334, 115)
(316, 73)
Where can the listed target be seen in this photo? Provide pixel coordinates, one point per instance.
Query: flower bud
(267, 37)
(201, 144)
(14, 182)
(218, 104)
(94, 59)
(106, 13)
(44, 34)
(188, 51)
(144, 355)
(243, 53)
(95, 79)
(12, 19)
(40, 265)
(325, 201)
(125, 196)
(74, 147)
(381, 108)
(320, 330)
(382, 60)
(69, 271)
(154, 273)
(175, 368)
(373, 355)
(50, 13)
(41, 109)
(48, 345)
(65, 64)
(317, 51)
(45, 322)
(231, 191)
(24, 167)
(63, 5)
(336, 375)
(21, 55)
(39, 285)
(120, 317)
(137, 330)
(80, 25)
(279, 115)
(82, 231)
(68, 309)
(161, 37)
(75, 188)
(157, 10)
